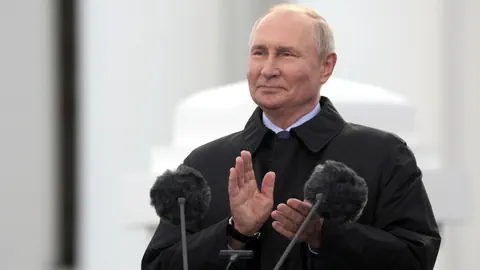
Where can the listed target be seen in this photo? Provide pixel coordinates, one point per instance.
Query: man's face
(284, 68)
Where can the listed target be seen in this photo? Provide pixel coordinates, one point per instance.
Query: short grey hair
(324, 39)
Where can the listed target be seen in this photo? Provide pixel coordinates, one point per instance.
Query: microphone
(345, 193)
(180, 197)
(336, 192)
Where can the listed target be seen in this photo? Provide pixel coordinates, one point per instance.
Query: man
(257, 175)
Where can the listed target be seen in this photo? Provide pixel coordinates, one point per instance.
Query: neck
(285, 117)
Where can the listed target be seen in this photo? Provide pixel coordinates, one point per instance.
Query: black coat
(397, 229)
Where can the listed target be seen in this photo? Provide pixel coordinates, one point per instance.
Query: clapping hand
(250, 206)
(290, 216)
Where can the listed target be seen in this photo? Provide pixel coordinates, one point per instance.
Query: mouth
(270, 87)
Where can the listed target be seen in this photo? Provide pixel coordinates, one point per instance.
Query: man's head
(291, 57)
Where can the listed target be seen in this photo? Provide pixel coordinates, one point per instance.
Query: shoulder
(370, 144)
(370, 137)
(372, 151)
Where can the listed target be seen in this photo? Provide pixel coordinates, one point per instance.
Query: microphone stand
(181, 202)
(234, 255)
(318, 199)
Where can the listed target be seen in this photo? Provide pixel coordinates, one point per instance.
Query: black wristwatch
(238, 235)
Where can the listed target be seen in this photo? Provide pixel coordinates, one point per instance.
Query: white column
(137, 58)
(462, 124)
(27, 135)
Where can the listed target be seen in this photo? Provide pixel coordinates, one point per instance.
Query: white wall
(27, 144)
(395, 44)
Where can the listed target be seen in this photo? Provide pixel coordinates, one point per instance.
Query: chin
(269, 103)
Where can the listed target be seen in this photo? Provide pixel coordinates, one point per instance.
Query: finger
(309, 230)
(307, 203)
(285, 221)
(299, 206)
(306, 238)
(247, 161)
(268, 184)
(232, 182)
(280, 228)
(239, 167)
(318, 223)
(283, 231)
(312, 226)
(312, 232)
(292, 214)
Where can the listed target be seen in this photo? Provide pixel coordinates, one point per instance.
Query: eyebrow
(279, 48)
(258, 47)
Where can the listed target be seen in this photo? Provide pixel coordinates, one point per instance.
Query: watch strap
(235, 234)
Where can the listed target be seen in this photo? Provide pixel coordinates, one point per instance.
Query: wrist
(235, 244)
(245, 231)
(239, 234)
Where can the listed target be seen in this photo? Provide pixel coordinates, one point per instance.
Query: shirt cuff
(312, 250)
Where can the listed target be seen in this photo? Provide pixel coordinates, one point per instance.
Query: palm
(250, 206)
(251, 202)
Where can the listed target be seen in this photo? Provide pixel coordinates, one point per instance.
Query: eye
(286, 54)
(257, 52)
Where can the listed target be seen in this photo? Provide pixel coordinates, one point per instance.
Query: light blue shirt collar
(300, 121)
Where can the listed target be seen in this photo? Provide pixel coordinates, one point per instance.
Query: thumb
(268, 184)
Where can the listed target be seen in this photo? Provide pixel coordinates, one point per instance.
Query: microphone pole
(181, 202)
(234, 255)
(318, 199)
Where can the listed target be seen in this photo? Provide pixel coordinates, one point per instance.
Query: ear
(328, 64)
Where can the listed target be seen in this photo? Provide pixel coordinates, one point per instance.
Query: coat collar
(315, 133)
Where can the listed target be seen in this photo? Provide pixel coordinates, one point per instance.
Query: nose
(270, 69)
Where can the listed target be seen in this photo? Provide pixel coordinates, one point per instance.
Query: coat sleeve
(165, 250)
(404, 234)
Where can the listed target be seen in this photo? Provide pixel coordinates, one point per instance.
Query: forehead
(285, 29)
